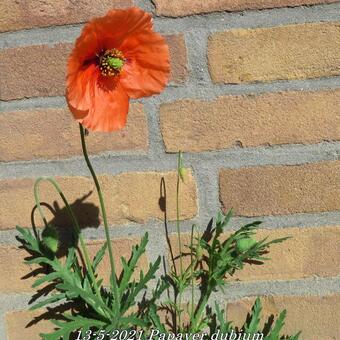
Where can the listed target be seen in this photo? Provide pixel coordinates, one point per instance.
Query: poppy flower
(116, 57)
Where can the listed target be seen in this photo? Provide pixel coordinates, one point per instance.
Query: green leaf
(52, 299)
(252, 325)
(28, 240)
(74, 323)
(156, 320)
(46, 278)
(39, 260)
(132, 320)
(275, 332)
(99, 256)
(294, 337)
(143, 280)
(129, 267)
(71, 257)
(224, 326)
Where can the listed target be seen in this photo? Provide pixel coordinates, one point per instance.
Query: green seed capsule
(244, 244)
(115, 63)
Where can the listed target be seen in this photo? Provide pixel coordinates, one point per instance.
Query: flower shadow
(87, 215)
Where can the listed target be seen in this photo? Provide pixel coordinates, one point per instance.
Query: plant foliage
(214, 257)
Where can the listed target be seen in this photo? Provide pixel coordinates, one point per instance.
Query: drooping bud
(50, 238)
(181, 168)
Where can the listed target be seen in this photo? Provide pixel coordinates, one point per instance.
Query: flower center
(111, 62)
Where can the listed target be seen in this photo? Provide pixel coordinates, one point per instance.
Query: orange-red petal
(101, 103)
(125, 23)
(108, 111)
(147, 68)
(81, 85)
(109, 32)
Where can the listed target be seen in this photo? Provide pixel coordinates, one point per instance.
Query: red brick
(37, 71)
(178, 58)
(18, 15)
(50, 133)
(33, 71)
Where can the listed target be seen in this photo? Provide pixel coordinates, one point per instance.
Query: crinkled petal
(109, 109)
(80, 87)
(126, 23)
(147, 68)
(108, 32)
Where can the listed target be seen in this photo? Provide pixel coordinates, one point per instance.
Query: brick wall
(254, 103)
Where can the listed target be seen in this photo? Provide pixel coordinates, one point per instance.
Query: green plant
(82, 305)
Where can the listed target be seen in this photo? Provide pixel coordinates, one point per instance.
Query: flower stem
(106, 227)
(75, 223)
(179, 164)
(192, 269)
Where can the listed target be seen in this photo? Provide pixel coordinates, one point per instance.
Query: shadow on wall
(87, 215)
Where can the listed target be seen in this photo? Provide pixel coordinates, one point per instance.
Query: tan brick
(280, 190)
(310, 252)
(34, 71)
(315, 316)
(284, 52)
(60, 137)
(176, 8)
(15, 270)
(251, 120)
(129, 197)
(27, 324)
(18, 15)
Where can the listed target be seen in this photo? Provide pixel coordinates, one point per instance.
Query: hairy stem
(179, 164)
(106, 227)
(200, 309)
(192, 270)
